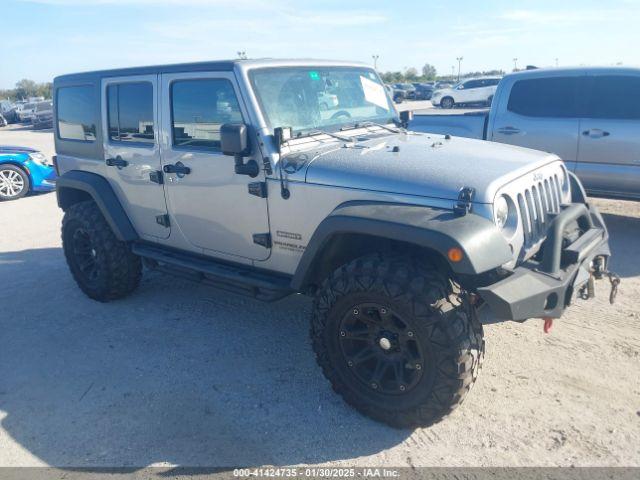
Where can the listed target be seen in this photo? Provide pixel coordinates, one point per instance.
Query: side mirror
(460, 87)
(234, 140)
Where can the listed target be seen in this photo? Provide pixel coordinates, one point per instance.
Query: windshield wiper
(331, 134)
(369, 123)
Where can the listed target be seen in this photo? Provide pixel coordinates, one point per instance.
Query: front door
(132, 152)
(609, 148)
(211, 204)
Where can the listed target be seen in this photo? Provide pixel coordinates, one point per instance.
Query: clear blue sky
(44, 38)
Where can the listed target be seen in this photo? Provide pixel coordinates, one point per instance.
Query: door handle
(595, 133)
(179, 169)
(508, 130)
(116, 162)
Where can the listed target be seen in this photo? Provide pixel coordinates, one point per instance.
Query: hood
(417, 164)
(12, 150)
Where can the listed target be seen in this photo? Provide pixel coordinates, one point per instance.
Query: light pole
(459, 59)
(375, 61)
(515, 64)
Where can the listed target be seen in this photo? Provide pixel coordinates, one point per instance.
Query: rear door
(483, 91)
(132, 153)
(543, 114)
(466, 91)
(609, 148)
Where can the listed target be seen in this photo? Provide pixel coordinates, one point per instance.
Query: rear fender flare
(75, 186)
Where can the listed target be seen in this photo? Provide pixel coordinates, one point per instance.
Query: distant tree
(411, 74)
(392, 77)
(44, 90)
(429, 72)
(484, 73)
(26, 88)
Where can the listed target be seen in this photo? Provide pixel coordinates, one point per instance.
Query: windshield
(323, 98)
(28, 106)
(43, 106)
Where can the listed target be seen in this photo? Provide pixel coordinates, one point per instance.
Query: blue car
(24, 170)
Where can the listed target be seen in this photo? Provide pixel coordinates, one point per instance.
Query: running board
(236, 278)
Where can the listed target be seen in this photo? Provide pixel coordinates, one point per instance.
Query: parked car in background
(424, 91)
(3, 121)
(24, 170)
(8, 111)
(327, 100)
(18, 106)
(396, 94)
(441, 85)
(408, 89)
(43, 115)
(589, 117)
(26, 113)
(468, 92)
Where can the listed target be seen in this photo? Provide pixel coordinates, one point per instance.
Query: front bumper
(43, 177)
(545, 287)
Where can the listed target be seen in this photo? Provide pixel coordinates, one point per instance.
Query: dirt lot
(183, 374)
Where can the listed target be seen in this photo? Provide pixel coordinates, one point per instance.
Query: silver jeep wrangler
(269, 178)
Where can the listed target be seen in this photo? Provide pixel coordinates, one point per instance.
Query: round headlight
(501, 211)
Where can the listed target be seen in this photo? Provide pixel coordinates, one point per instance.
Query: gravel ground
(182, 374)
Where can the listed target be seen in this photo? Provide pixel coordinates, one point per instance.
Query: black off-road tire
(445, 325)
(103, 267)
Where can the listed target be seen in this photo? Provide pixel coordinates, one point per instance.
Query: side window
(472, 84)
(545, 97)
(614, 97)
(76, 112)
(130, 112)
(198, 108)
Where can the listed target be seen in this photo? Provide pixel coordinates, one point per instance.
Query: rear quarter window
(545, 97)
(614, 97)
(75, 110)
(130, 112)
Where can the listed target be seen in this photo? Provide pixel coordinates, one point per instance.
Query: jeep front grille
(535, 204)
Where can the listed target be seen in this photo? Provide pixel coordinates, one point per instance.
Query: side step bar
(239, 279)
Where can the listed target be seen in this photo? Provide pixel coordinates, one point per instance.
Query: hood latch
(465, 198)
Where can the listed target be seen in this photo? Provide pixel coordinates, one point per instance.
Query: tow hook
(599, 271)
(548, 323)
(615, 281)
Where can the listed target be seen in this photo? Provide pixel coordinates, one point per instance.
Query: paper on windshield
(374, 93)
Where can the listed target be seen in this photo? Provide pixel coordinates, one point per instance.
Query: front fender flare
(99, 190)
(483, 245)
